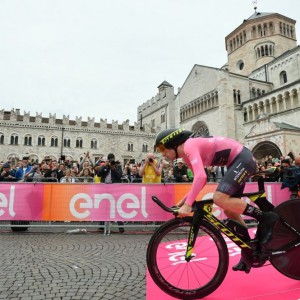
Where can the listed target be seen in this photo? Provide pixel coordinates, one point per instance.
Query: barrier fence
(40, 204)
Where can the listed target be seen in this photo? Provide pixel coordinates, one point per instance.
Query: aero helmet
(172, 138)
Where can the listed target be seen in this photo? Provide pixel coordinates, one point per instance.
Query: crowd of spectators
(109, 170)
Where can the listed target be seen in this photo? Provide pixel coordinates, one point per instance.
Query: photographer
(6, 174)
(151, 170)
(111, 172)
(35, 174)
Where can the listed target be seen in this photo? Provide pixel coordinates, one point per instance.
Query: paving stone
(45, 263)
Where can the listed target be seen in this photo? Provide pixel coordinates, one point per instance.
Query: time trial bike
(188, 257)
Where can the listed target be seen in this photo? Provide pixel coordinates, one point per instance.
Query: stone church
(253, 98)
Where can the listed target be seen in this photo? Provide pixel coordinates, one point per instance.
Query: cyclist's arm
(196, 165)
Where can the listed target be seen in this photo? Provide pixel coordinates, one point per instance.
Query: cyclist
(198, 152)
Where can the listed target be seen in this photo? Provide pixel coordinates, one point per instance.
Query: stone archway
(200, 128)
(266, 148)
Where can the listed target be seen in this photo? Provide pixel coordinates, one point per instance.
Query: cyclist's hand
(184, 210)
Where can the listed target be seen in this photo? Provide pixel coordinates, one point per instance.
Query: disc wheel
(289, 262)
(175, 275)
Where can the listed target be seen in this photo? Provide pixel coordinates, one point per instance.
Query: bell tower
(258, 40)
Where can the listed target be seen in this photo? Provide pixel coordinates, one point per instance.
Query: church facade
(254, 98)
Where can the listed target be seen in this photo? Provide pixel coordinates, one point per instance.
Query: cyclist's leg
(234, 181)
(234, 216)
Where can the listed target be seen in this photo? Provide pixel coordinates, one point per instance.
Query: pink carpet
(261, 283)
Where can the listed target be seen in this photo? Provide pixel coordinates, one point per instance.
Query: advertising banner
(105, 202)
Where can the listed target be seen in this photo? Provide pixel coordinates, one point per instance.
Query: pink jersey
(204, 152)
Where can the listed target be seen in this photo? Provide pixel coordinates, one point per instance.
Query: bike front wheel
(287, 263)
(183, 279)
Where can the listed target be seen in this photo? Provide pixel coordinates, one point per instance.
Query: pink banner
(104, 202)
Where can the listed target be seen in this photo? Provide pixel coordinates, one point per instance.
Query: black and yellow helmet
(171, 138)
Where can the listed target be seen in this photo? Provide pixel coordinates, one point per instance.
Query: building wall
(110, 137)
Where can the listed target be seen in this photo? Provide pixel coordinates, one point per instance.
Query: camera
(151, 160)
(112, 162)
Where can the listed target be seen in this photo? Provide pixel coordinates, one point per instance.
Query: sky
(104, 58)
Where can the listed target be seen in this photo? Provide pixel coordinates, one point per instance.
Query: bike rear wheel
(287, 263)
(173, 274)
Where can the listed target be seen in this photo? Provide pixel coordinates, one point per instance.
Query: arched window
(130, 147)
(163, 117)
(153, 123)
(67, 143)
(200, 128)
(245, 116)
(54, 141)
(27, 140)
(41, 140)
(1, 138)
(93, 144)
(78, 143)
(283, 77)
(145, 148)
(14, 139)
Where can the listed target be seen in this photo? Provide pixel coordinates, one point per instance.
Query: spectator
(180, 171)
(75, 168)
(297, 160)
(86, 162)
(111, 172)
(35, 173)
(61, 171)
(6, 174)
(23, 171)
(134, 175)
(96, 178)
(211, 173)
(68, 176)
(151, 170)
(285, 163)
(86, 175)
(52, 173)
(167, 172)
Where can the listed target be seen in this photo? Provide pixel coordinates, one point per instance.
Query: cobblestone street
(52, 264)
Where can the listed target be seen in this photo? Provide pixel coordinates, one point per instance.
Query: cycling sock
(253, 212)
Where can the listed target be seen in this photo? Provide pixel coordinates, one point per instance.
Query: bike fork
(193, 233)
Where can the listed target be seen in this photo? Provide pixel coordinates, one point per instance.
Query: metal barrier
(107, 227)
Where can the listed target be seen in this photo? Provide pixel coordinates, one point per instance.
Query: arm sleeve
(196, 165)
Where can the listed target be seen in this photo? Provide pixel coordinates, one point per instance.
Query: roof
(165, 83)
(257, 15)
(286, 126)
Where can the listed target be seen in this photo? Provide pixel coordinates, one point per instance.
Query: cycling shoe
(266, 227)
(241, 266)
